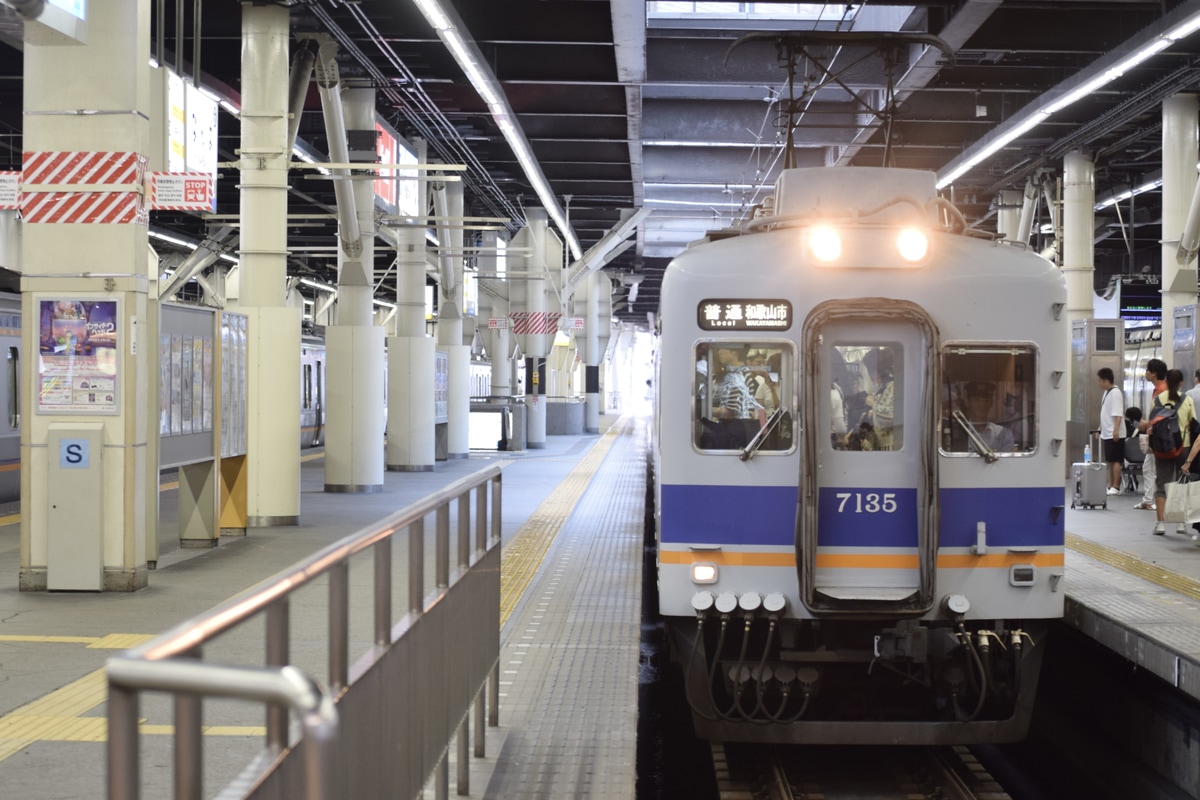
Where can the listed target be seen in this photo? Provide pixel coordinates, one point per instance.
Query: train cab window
(988, 398)
(741, 388)
(865, 411)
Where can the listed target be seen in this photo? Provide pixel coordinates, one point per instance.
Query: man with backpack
(1170, 430)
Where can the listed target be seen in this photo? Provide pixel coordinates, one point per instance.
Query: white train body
(840, 594)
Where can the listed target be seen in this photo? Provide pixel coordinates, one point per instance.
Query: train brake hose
(687, 687)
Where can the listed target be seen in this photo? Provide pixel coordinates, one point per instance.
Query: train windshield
(738, 387)
(988, 398)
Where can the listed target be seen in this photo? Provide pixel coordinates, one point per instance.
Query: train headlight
(704, 573)
(825, 243)
(913, 244)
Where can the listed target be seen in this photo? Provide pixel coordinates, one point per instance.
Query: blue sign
(855, 516)
(74, 453)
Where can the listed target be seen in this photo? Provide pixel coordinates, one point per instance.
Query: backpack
(1166, 440)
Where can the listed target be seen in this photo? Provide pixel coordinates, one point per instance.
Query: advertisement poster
(77, 348)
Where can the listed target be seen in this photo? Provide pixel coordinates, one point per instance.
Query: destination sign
(744, 315)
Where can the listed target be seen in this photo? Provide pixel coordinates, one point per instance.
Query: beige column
(84, 464)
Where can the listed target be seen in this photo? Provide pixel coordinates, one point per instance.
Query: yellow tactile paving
(523, 555)
(1153, 573)
(55, 716)
(120, 641)
(51, 639)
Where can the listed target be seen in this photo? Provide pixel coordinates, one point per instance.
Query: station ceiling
(627, 104)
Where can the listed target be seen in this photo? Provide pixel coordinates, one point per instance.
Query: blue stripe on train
(1014, 517)
(766, 515)
(761, 515)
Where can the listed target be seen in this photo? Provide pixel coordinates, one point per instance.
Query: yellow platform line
(522, 557)
(1174, 581)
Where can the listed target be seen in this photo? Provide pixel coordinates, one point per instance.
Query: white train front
(859, 462)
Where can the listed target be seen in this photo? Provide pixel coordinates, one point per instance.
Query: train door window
(14, 394)
(989, 399)
(868, 383)
(307, 381)
(740, 388)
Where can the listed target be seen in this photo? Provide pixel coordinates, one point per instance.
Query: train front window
(989, 399)
(739, 388)
(865, 412)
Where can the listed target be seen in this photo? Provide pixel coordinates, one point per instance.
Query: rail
(432, 665)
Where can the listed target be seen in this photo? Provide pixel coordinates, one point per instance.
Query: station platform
(1135, 593)
(571, 580)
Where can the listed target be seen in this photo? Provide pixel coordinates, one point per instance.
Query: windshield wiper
(772, 423)
(989, 455)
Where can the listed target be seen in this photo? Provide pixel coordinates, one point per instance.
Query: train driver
(981, 396)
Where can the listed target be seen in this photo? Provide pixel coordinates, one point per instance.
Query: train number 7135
(867, 502)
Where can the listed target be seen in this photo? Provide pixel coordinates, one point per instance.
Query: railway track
(760, 772)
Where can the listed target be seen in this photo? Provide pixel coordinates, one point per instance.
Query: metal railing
(433, 664)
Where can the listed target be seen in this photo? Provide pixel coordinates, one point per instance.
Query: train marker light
(704, 573)
(825, 243)
(913, 244)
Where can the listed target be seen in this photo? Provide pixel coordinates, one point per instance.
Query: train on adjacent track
(859, 468)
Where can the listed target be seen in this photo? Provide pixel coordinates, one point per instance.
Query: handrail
(195, 632)
(284, 686)
(171, 661)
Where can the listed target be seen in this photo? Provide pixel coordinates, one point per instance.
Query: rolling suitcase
(1090, 479)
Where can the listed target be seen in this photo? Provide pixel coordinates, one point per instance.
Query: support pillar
(88, 281)
(410, 355)
(1181, 143)
(591, 361)
(1079, 198)
(273, 341)
(450, 321)
(354, 450)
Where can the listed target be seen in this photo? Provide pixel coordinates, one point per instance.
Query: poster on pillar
(77, 356)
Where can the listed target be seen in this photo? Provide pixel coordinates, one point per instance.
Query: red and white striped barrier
(535, 321)
(83, 187)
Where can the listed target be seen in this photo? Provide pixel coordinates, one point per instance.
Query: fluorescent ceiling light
(1103, 78)
(1118, 198)
(469, 59)
(993, 146)
(319, 286)
(383, 303)
(173, 240)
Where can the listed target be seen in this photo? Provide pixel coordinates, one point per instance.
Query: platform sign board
(10, 190)
(441, 386)
(182, 191)
(176, 123)
(78, 357)
(408, 187)
(188, 384)
(385, 148)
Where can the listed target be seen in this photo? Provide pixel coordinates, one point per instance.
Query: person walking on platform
(1156, 373)
(1168, 468)
(1111, 441)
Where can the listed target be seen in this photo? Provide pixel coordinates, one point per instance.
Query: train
(873, 551)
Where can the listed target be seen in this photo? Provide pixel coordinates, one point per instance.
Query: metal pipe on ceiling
(196, 43)
(329, 85)
(298, 80)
